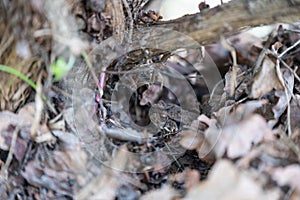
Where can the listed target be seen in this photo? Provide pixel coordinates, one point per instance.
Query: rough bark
(207, 26)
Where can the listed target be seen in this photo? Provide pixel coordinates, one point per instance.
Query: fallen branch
(227, 19)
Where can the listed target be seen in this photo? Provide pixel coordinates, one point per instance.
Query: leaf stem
(18, 74)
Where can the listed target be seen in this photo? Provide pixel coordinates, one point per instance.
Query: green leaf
(18, 74)
(60, 67)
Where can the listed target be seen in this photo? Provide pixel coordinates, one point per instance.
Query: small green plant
(60, 67)
(18, 74)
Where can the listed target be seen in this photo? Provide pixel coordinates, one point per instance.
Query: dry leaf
(241, 86)
(289, 175)
(21, 144)
(192, 178)
(238, 138)
(105, 185)
(240, 130)
(8, 118)
(60, 167)
(295, 114)
(9, 122)
(226, 182)
(266, 79)
(191, 139)
(284, 96)
(27, 113)
(189, 177)
(205, 150)
(151, 94)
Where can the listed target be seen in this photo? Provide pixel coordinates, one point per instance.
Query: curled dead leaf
(60, 167)
(295, 114)
(284, 96)
(233, 184)
(289, 175)
(266, 79)
(191, 139)
(239, 131)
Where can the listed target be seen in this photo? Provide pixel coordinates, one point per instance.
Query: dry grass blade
(233, 77)
(39, 108)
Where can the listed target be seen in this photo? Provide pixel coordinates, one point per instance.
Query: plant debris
(137, 117)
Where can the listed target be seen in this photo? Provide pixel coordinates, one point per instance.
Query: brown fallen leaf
(8, 118)
(238, 139)
(191, 139)
(21, 141)
(289, 175)
(24, 117)
(295, 114)
(284, 95)
(105, 184)
(9, 122)
(226, 182)
(195, 140)
(266, 79)
(27, 116)
(189, 177)
(59, 168)
(192, 178)
(241, 86)
(151, 94)
(237, 131)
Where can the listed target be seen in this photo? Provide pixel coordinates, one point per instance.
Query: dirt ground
(103, 100)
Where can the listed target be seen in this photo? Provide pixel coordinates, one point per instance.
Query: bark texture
(207, 26)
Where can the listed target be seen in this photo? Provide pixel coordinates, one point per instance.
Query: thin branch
(129, 15)
(4, 172)
(227, 19)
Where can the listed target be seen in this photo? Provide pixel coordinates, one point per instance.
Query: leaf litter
(245, 147)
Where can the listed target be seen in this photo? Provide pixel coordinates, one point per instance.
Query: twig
(205, 28)
(294, 31)
(233, 76)
(263, 52)
(174, 158)
(4, 172)
(90, 66)
(290, 143)
(122, 134)
(129, 14)
(66, 94)
(286, 89)
(6, 44)
(290, 48)
(136, 6)
(42, 32)
(287, 66)
(38, 109)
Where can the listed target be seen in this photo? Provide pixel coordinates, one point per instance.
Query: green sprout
(60, 67)
(20, 75)
(11, 70)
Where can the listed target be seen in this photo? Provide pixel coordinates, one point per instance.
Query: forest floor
(91, 110)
